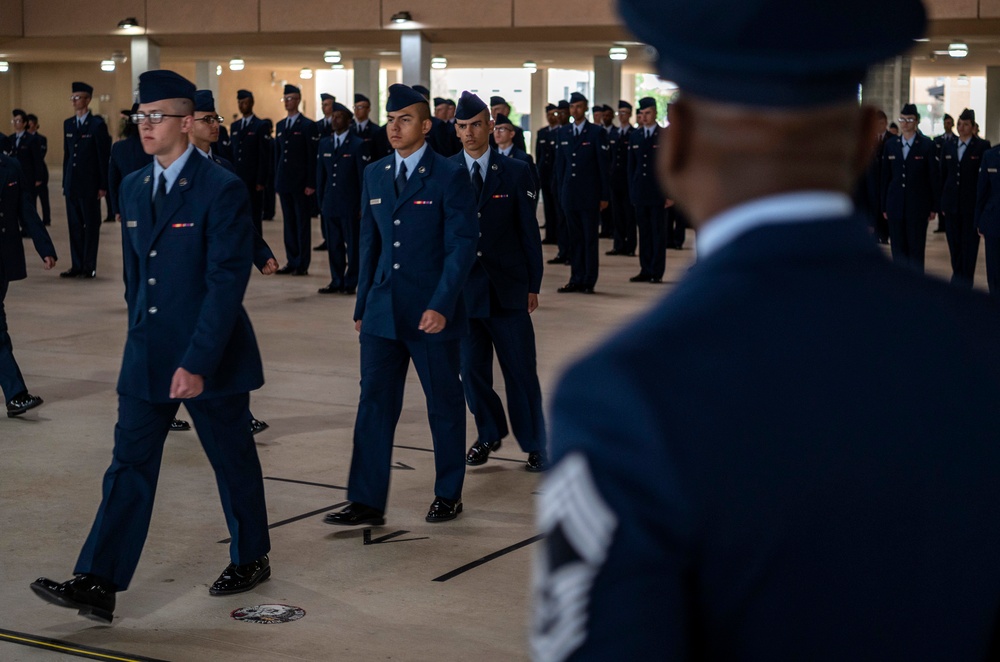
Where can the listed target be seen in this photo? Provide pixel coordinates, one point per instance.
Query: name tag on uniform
(69, 135)
(86, 135)
(131, 224)
(346, 155)
(948, 157)
(182, 225)
(991, 170)
(296, 133)
(635, 147)
(375, 201)
(974, 158)
(565, 142)
(892, 157)
(423, 202)
(325, 154)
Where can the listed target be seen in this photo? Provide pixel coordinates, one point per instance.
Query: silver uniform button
(152, 253)
(396, 222)
(479, 253)
(396, 266)
(395, 244)
(153, 310)
(151, 281)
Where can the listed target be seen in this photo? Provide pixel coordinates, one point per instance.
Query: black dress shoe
(241, 578)
(480, 452)
(613, 251)
(589, 289)
(300, 272)
(177, 425)
(443, 510)
(655, 280)
(93, 597)
(329, 289)
(321, 247)
(257, 426)
(354, 514)
(349, 290)
(70, 273)
(632, 254)
(536, 462)
(569, 287)
(88, 275)
(285, 270)
(640, 278)
(22, 403)
(558, 259)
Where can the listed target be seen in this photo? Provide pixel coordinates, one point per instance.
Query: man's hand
(668, 204)
(270, 267)
(310, 191)
(49, 262)
(38, 184)
(101, 193)
(604, 205)
(932, 216)
(357, 326)
(532, 302)
(118, 217)
(885, 215)
(186, 385)
(432, 322)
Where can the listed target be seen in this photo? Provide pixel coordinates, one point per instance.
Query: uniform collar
(411, 161)
(173, 170)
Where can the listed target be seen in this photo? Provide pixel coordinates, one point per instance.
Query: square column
(887, 85)
(990, 124)
(607, 81)
(145, 57)
(366, 81)
(415, 53)
(205, 77)
(539, 92)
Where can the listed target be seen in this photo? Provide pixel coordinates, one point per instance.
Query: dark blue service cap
(502, 119)
(324, 96)
(204, 101)
(777, 53)
(291, 89)
(423, 90)
(577, 97)
(647, 102)
(339, 106)
(244, 94)
(162, 84)
(83, 87)
(968, 114)
(401, 96)
(910, 109)
(358, 98)
(450, 102)
(624, 104)
(949, 117)
(439, 101)
(497, 101)
(469, 105)
(563, 105)
(550, 107)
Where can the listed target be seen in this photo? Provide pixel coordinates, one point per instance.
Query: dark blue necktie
(401, 178)
(161, 197)
(477, 179)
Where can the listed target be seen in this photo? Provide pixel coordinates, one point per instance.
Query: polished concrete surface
(362, 602)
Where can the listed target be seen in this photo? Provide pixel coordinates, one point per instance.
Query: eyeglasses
(360, 106)
(17, 120)
(290, 98)
(209, 119)
(903, 120)
(77, 97)
(154, 118)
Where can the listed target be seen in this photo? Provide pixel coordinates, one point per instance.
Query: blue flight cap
(503, 119)
(450, 102)
(324, 96)
(469, 105)
(244, 94)
(498, 101)
(910, 109)
(423, 90)
(550, 107)
(358, 98)
(576, 97)
(83, 87)
(647, 102)
(563, 105)
(291, 89)
(401, 96)
(341, 107)
(624, 104)
(968, 114)
(439, 101)
(949, 117)
(162, 84)
(776, 53)
(204, 101)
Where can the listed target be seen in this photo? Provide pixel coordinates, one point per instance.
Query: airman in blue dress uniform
(960, 163)
(647, 196)
(187, 241)
(418, 242)
(621, 204)
(42, 192)
(295, 145)
(501, 292)
(545, 157)
(251, 148)
(778, 490)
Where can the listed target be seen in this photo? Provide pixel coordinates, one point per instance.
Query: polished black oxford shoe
(480, 452)
(90, 595)
(71, 273)
(177, 425)
(329, 289)
(536, 462)
(640, 278)
(570, 287)
(348, 291)
(558, 259)
(21, 403)
(241, 578)
(257, 426)
(300, 272)
(285, 270)
(321, 247)
(354, 514)
(443, 510)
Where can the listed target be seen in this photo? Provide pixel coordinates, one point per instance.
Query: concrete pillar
(145, 57)
(205, 77)
(887, 85)
(415, 54)
(366, 80)
(628, 92)
(607, 81)
(990, 124)
(539, 94)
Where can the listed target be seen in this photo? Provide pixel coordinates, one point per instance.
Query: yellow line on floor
(68, 649)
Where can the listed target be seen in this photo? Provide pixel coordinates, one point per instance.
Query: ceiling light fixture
(128, 23)
(331, 57)
(618, 53)
(439, 62)
(306, 73)
(107, 65)
(237, 64)
(401, 17)
(530, 66)
(958, 49)
(119, 57)
(337, 65)
(4, 66)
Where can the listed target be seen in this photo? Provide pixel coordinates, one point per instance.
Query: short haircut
(20, 113)
(882, 116)
(33, 118)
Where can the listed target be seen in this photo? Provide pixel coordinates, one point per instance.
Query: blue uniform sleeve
(103, 144)
(531, 238)
(983, 188)
(369, 251)
(29, 217)
(461, 236)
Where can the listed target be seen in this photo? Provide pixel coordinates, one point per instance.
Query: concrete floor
(362, 602)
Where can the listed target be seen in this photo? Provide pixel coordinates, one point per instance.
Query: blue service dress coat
(339, 176)
(251, 151)
(127, 156)
(86, 150)
(582, 167)
(416, 249)
(29, 154)
(911, 186)
(778, 488)
(16, 204)
(958, 194)
(185, 276)
(295, 155)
